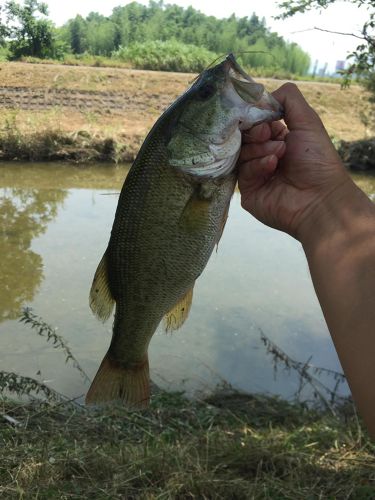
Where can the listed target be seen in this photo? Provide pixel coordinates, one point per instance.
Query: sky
(323, 47)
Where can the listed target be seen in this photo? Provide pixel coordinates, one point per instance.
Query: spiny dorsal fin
(178, 314)
(101, 300)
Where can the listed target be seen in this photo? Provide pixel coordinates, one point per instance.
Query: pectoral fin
(177, 316)
(222, 226)
(195, 215)
(101, 300)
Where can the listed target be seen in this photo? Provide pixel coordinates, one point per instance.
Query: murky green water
(55, 224)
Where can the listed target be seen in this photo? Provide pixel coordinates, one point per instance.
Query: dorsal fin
(101, 300)
(178, 314)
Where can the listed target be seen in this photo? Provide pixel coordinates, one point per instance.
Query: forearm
(342, 265)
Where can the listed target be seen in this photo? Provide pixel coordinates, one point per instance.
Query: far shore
(85, 114)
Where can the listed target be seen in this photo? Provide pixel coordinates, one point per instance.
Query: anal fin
(101, 300)
(178, 314)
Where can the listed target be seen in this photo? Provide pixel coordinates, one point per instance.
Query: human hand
(286, 174)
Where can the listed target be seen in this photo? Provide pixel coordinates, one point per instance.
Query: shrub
(166, 56)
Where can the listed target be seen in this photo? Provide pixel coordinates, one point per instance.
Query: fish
(170, 216)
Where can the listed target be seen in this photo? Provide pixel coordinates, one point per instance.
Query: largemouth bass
(170, 215)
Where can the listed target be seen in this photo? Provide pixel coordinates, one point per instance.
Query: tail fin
(113, 382)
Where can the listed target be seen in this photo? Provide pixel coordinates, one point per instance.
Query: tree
(134, 24)
(77, 29)
(29, 34)
(101, 37)
(4, 31)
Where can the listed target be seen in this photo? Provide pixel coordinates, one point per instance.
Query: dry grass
(231, 446)
(16, 74)
(144, 95)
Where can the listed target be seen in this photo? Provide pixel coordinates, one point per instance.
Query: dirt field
(120, 105)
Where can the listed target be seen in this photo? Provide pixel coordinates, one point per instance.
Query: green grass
(230, 446)
(4, 53)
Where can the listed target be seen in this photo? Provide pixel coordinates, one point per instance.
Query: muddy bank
(79, 147)
(83, 147)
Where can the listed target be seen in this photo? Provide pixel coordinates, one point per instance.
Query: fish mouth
(251, 92)
(242, 103)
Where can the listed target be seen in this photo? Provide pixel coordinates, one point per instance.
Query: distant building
(323, 70)
(340, 65)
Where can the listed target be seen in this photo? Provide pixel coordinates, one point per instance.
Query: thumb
(299, 115)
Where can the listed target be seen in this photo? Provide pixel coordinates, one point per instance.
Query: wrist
(343, 215)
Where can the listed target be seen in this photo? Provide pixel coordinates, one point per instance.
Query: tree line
(134, 31)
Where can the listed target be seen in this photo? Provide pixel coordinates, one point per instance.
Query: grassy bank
(230, 446)
(115, 62)
(81, 114)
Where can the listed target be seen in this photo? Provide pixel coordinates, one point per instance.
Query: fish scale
(170, 215)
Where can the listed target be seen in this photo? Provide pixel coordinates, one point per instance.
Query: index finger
(264, 132)
(278, 131)
(259, 133)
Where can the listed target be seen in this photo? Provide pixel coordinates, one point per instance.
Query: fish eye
(206, 91)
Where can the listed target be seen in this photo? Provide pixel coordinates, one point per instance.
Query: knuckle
(291, 87)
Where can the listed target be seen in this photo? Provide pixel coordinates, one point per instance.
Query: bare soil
(38, 99)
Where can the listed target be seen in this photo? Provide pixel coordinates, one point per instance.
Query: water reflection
(24, 215)
(30, 196)
(55, 223)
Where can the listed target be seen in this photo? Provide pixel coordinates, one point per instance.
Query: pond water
(55, 224)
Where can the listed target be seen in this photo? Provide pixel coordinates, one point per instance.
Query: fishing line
(257, 52)
(208, 67)
(234, 54)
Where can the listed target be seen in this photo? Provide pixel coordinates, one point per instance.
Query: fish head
(205, 139)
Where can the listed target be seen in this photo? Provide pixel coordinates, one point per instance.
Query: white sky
(324, 47)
